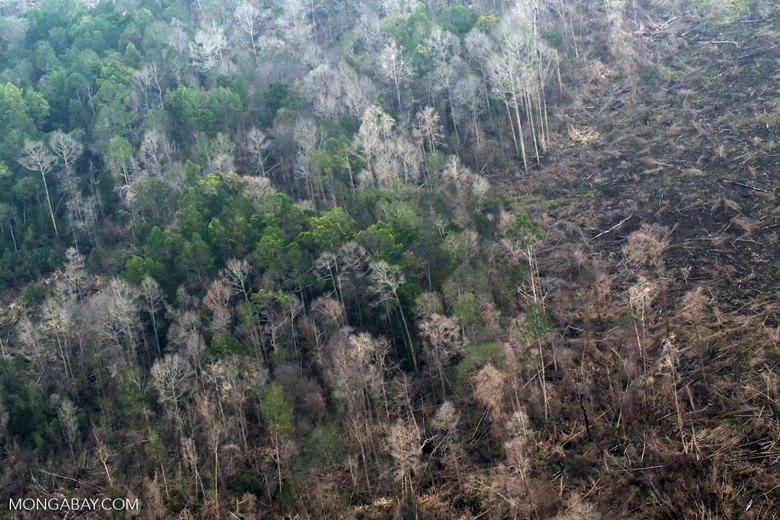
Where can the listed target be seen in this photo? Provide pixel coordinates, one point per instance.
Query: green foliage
(18, 114)
(553, 39)
(458, 19)
(222, 345)
(277, 408)
(409, 32)
(195, 258)
(196, 110)
(486, 23)
(474, 358)
(321, 449)
(137, 268)
(279, 96)
(133, 56)
(381, 241)
(328, 231)
(536, 323)
(23, 400)
(34, 294)
(467, 310)
(523, 231)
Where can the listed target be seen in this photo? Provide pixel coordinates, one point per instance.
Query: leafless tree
(210, 45)
(38, 158)
(173, 379)
(66, 412)
(387, 279)
(147, 81)
(468, 96)
(396, 68)
(489, 387)
(114, 315)
(256, 145)
(427, 128)
(153, 298)
(256, 188)
(248, 18)
(66, 147)
(217, 300)
(236, 276)
(156, 152)
(404, 442)
(442, 335)
(671, 360)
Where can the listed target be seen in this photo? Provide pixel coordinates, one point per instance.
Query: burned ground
(691, 151)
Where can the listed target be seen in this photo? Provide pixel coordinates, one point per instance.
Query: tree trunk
(48, 200)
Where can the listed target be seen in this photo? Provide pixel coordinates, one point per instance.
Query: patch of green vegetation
(662, 72)
(734, 70)
(225, 344)
(474, 358)
(658, 111)
(553, 39)
(735, 8)
(524, 200)
(723, 11)
(696, 100)
(737, 423)
(563, 202)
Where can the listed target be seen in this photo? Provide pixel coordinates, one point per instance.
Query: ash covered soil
(692, 149)
(693, 146)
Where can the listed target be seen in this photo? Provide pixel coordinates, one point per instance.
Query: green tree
(197, 110)
(277, 407)
(15, 120)
(458, 19)
(196, 258)
(137, 268)
(466, 310)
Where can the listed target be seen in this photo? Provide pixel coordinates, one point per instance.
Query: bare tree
(104, 455)
(156, 152)
(489, 387)
(66, 147)
(671, 360)
(256, 188)
(405, 444)
(446, 421)
(256, 145)
(640, 298)
(442, 334)
(248, 18)
(396, 68)
(217, 300)
(67, 415)
(114, 315)
(154, 298)
(38, 158)
(210, 45)
(173, 379)
(467, 95)
(236, 276)
(427, 128)
(148, 82)
(387, 279)
(337, 91)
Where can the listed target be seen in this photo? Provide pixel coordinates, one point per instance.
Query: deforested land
(382, 260)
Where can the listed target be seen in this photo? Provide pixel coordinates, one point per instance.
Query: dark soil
(694, 147)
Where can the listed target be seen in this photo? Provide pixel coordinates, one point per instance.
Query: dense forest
(343, 259)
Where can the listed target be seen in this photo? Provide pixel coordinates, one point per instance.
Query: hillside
(662, 205)
(383, 260)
